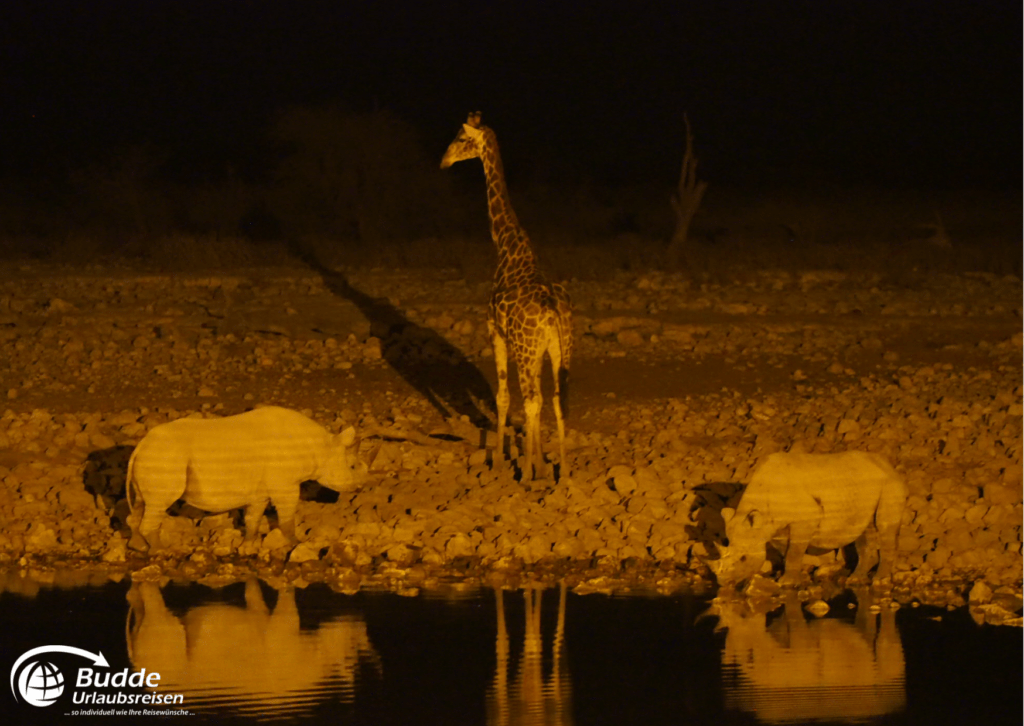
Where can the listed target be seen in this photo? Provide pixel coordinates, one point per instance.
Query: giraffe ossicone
(527, 314)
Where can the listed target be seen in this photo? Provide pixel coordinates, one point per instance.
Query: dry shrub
(363, 178)
(598, 259)
(82, 249)
(19, 247)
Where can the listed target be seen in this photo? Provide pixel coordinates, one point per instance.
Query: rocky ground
(678, 390)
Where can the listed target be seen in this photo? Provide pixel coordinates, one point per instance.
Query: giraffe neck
(515, 257)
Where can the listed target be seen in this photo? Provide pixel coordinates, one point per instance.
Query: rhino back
(289, 442)
(269, 434)
(229, 462)
(838, 491)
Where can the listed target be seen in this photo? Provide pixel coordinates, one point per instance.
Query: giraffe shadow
(428, 362)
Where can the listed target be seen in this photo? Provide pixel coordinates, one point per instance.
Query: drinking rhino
(246, 461)
(825, 500)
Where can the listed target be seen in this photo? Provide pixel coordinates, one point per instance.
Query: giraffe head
(468, 144)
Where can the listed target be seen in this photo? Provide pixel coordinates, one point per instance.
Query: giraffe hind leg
(557, 371)
(563, 470)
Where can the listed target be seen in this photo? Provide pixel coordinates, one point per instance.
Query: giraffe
(526, 313)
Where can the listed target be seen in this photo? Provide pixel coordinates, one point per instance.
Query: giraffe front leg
(502, 398)
(529, 381)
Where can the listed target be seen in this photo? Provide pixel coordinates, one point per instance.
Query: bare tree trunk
(685, 201)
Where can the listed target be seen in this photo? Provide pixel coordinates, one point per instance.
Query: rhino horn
(349, 438)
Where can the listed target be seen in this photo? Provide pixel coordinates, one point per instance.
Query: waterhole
(467, 653)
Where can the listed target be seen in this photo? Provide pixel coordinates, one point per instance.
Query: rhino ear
(728, 513)
(755, 519)
(347, 437)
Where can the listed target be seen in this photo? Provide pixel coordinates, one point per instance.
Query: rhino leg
(867, 554)
(153, 515)
(253, 514)
(138, 542)
(887, 520)
(286, 517)
(158, 481)
(865, 558)
(886, 551)
(799, 538)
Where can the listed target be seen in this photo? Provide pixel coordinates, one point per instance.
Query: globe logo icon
(41, 683)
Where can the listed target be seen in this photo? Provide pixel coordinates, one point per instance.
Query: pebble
(980, 593)
(954, 434)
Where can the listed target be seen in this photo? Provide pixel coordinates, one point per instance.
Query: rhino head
(743, 557)
(344, 471)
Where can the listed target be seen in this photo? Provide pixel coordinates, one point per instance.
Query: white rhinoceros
(246, 461)
(825, 500)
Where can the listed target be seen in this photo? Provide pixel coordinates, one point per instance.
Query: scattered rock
(980, 593)
(275, 540)
(116, 549)
(629, 338)
(648, 474)
(818, 608)
(303, 552)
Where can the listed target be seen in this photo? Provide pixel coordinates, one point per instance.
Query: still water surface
(538, 655)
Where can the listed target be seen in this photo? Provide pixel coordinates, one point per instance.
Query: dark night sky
(919, 93)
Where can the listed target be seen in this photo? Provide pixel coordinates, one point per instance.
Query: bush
(361, 179)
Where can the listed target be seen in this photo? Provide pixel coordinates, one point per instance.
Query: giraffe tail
(563, 340)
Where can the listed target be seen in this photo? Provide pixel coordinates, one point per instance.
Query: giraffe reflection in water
(796, 670)
(251, 659)
(531, 698)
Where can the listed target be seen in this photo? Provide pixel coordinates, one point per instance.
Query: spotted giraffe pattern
(527, 313)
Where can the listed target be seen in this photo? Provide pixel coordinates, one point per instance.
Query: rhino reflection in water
(249, 658)
(532, 699)
(798, 670)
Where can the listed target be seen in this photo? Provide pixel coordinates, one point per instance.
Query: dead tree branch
(685, 201)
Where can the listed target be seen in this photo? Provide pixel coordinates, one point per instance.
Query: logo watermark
(41, 683)
(36, 681)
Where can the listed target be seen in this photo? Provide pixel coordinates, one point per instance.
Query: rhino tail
(891, 503)
(131, 487)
